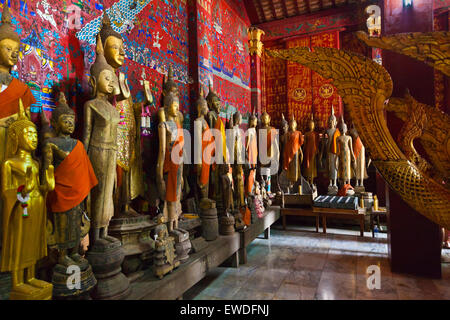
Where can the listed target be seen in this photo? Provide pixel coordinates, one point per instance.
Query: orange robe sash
(311, 146)
(293, 144)
(357, 146)
(171, 168)
(252, 158)
(74, 179)
(9, 98)
(207, 139)
(334, 147)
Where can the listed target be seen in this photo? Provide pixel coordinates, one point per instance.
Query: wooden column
(413, 240)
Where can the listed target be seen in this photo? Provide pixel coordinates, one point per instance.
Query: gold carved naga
(365, 88)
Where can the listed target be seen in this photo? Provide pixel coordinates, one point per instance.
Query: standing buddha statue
(345, 155)
(238, 160)
(251, 147)
(74, 179)
(169, 173)
(100, 140)
(271, 147)
(129, 165)
(330, 147)
(293, 155)
(204, 133)
(311, 146)
(360, 155)
(24, 210)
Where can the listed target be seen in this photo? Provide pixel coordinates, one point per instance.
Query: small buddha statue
(204, 133)
(360, 155)
(129, 161)
(251, 147)
(330, 147)
(169, 168)
(24, 209)
(293, 155)
(165, 258)
(271, 148)
(310, 147)
(220, 154)
(74, 179)
(345, 155)
(100, 140)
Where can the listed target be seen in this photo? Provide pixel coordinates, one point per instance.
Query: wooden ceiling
(260, 11)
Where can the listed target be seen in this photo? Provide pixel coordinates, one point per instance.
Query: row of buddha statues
(58, 191)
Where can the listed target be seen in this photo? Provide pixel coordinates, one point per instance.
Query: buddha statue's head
(265, 119)
(253, 121)
(9, 42)
(284, 124)
(169, 84)
(332, 119)
(311, 124)
(292, 124)
(22, 133)
(213, 100)
(103, 78)
(63, 117)
(237, 118)
(171, 104)
(343, 128)
(202, 105)
(113, 44)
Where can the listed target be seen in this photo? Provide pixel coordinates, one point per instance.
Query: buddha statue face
(28, 140)
(292, 125)
(216, 105)
(9, 52)
(311, 125)
(106, 82)
(202, 108)
(253, 122)
(173, 105)
(237, 119)
(66, 124)
(114, 52)
(265, 119)
(332, 122)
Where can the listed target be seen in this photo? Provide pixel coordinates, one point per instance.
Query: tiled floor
(298, 264)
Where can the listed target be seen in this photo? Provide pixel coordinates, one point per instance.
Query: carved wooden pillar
(256, 49)
(413, 239)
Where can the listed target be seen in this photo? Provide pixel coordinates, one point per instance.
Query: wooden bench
(305, 212)
(250, 233)
(358, 214)
(173, 285)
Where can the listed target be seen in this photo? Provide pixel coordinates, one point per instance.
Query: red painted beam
(251, 11)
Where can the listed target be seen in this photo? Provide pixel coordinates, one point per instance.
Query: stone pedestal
(133, 230)
(226, 226)
(63, 277)
(210, 222)
(106, 258)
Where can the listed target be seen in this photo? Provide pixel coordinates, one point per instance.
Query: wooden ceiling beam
(333, 2)
(320, 4)
(308, 6)
(283, 3)
(251, 11)
(272, 7)
(258, 2)
(296, 6)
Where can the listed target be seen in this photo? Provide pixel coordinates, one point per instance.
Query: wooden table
(250, 233)
(325, 213)
(304, 212)
(376, 214)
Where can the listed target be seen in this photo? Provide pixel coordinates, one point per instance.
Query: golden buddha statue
(330, 147)
(345, 157)
(271, 148)
(238, 161)
(251, 147)
(169, 168)
(74, 179)
(204, 133)
(129, 161)
(219, 166)
(169, 85)
(311, 147)
(293, 155)
(24, 210)
(100, 140)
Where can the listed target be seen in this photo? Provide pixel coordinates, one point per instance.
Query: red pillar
(414, 245)
(255, 49)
